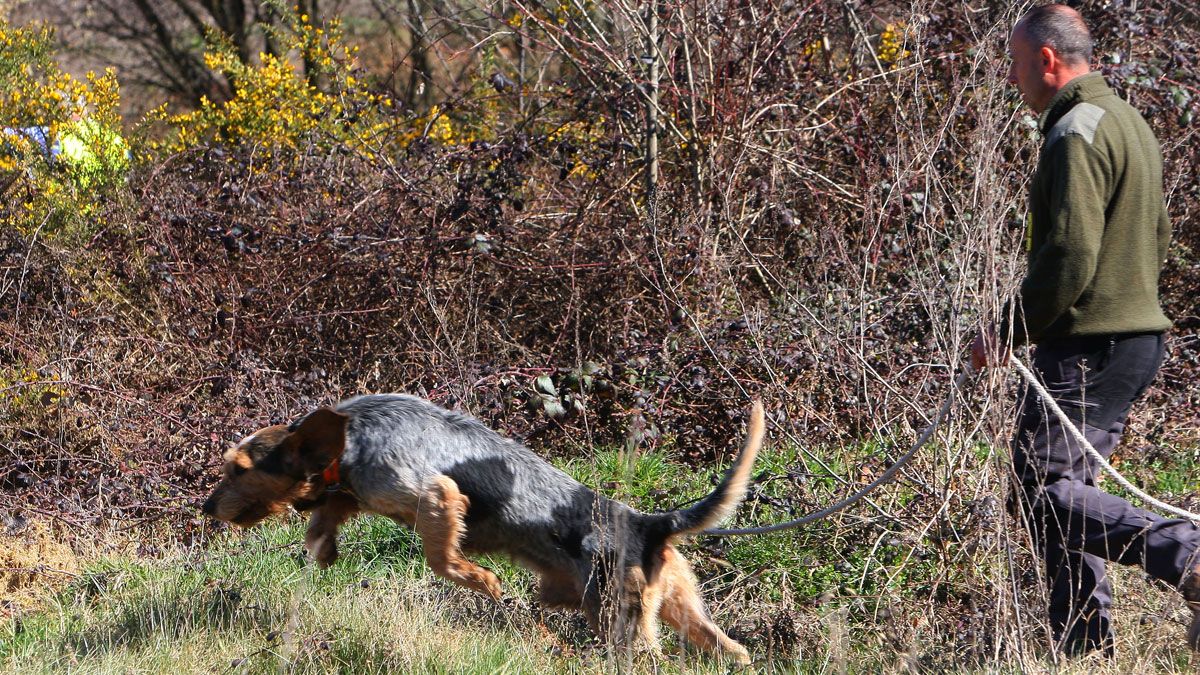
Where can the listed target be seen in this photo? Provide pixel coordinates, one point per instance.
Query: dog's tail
(720, 504)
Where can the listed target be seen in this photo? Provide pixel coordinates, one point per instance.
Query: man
(1098, 233)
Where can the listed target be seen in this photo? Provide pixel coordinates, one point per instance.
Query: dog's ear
(319, 439)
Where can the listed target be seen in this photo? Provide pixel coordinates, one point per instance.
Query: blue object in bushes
(39, 137)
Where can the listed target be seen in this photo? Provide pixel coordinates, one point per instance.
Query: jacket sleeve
(1063, 265)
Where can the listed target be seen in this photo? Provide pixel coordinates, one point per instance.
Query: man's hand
(986, 350)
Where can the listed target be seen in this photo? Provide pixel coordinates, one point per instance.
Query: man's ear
(1049, 59)
(320, 439)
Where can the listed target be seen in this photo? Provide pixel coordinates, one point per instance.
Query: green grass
(842, 595)
(795, 562)
(1180, 475)
(248, 603)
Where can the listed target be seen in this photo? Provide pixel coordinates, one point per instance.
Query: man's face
(1028, 70)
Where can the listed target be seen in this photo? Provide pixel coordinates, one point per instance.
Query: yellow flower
(891, 44)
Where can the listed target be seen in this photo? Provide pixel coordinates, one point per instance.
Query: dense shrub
(284, 110)
(63, 194)
(308, 236)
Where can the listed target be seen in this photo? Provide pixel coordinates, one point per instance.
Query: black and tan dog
(462, 486)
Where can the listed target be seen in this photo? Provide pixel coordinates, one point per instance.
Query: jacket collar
(1083, 88)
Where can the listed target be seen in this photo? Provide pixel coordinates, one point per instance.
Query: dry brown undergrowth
(34, 562)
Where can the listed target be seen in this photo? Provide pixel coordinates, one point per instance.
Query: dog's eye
(238, 470)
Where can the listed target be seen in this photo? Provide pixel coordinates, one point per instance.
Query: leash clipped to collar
(332, 478)
(332, 475)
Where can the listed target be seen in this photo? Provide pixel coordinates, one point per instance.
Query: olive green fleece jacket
(1098, 228)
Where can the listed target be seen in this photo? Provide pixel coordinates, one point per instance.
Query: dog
(463, 487)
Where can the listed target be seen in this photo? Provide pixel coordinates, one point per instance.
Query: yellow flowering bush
(281, 106)
(560, 13)
(61, 153)
(22, 386)
(275, 104)
(891, 45)
(575, 136)
(435, 126)
(814, 49)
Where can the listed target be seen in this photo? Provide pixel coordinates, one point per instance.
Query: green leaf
(544, 385)
(570, 381)
(554, 409)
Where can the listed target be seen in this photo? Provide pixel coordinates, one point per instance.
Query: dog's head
(275, 467)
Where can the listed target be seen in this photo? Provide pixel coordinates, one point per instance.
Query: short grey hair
(1060, 28)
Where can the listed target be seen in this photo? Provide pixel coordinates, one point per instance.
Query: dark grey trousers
(1076, 526)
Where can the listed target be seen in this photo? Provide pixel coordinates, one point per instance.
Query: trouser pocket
(1095, 379)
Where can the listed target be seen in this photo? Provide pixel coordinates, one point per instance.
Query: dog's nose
(208, 507)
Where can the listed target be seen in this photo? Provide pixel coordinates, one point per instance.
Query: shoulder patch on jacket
(1082, 120)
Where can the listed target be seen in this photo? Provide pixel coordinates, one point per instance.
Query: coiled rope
(892, 470)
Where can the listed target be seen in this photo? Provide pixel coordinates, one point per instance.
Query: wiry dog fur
(463, 487)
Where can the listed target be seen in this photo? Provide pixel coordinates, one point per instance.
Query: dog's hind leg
(684, 611)
(439, 523)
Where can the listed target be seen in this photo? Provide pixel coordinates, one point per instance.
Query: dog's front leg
(321, 538)
(440, 524)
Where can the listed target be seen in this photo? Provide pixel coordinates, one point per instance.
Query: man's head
(1050, 46)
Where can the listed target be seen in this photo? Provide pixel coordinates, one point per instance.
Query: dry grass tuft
(34, 563)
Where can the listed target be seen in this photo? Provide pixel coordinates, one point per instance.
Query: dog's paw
(327, 557)
(323, 550)
(492, 584)
(740, 656)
